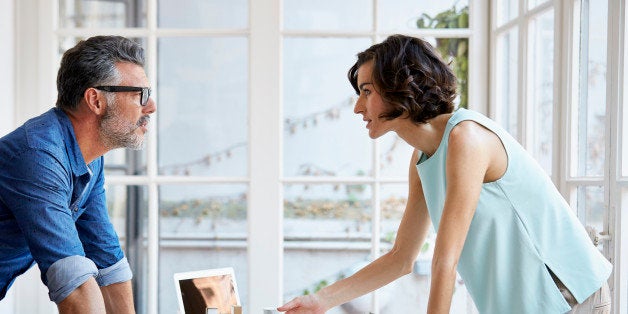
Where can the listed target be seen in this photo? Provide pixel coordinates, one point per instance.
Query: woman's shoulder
(469, 132)
(470, 137)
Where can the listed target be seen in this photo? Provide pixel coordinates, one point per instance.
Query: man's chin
(137, 146)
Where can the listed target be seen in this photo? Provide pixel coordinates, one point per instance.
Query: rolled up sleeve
(67, 274)
(118, 272)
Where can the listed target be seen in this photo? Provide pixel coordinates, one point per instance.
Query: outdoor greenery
(455, 50)
(351, 208)
(199, 209)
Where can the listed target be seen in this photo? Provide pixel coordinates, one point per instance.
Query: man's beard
(116, 132)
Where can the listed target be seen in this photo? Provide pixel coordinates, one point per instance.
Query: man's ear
(95, 101)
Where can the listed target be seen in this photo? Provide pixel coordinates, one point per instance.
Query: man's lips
(143, 121)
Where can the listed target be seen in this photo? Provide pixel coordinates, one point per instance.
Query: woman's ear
(95, 101)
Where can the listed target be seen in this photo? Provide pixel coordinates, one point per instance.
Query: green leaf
(463, 20)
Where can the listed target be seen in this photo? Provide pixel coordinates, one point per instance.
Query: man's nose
(150, 106)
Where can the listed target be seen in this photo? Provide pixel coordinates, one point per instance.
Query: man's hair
(410, 76)
(90, 63)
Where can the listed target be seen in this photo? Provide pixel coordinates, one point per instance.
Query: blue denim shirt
(53, 210)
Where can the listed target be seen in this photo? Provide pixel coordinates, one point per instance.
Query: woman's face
(370, 103)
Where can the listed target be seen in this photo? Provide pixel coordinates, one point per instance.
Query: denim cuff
(67, 274)
(118, 272)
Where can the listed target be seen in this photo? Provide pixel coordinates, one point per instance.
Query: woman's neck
(425, 137)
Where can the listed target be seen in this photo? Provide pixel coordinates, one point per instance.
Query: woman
(500, 221)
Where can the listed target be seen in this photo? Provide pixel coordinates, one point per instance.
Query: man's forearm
(118, 298)
(87, 298)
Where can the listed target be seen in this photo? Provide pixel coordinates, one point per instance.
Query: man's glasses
(145, 91)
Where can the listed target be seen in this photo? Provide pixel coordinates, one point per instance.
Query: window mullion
(265, 210)
(613, 193)
(563, 76)
(151, 164)
(522, 82)
(478, 57)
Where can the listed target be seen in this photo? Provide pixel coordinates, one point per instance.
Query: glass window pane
(128, 211)
(507, 10)
(201, 227)
(340, 211)
(325, 15)
(327, 236)
(413, 287)
(534, 3)
(591, 202)
(203, 99)
(506, 80)
(394, 158)
(318, 106)
(393, 203)
(408, 294)
(125, 162)
(540, 87)
(309, 269)
(215, 14)
(102, 14)
(405, 15)
(455, 52)
(203, 210)
(589, 124)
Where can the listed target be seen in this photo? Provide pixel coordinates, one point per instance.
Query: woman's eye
(366, 92)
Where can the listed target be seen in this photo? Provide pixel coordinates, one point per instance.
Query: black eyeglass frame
(144, 96)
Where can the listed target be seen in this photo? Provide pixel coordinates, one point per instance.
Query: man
(52, 200)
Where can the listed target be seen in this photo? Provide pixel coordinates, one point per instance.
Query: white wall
(7, 58)
(34, 61)
(21, 99)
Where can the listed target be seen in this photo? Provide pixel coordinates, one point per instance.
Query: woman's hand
(307, 304)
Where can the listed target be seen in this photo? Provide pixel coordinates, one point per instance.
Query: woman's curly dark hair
(410, 76)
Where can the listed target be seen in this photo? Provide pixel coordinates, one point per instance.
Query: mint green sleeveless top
(521, 227)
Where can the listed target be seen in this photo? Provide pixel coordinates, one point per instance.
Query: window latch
(597, 237)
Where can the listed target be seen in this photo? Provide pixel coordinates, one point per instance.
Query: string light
(292, 126)
(205, 161)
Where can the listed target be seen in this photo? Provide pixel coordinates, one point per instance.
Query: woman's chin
(374, 134)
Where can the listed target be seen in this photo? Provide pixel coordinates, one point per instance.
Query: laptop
(200, 290)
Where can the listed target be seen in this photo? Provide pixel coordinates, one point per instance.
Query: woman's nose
(358, 106)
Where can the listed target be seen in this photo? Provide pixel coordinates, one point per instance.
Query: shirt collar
(77, 163)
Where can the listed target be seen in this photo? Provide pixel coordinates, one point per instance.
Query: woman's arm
(397, 262)
(468, 159)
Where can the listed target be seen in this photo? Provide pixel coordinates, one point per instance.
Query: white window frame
(564, 77)
(477, 34)
(35, 92)
(618, 225)
(521, 23)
